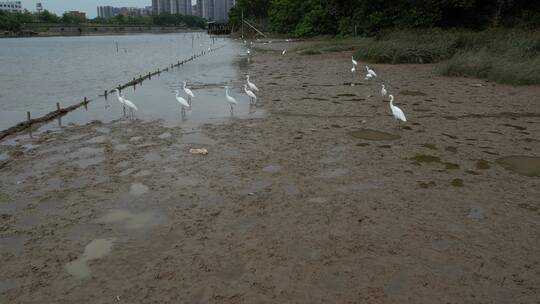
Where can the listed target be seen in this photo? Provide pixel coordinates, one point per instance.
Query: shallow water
(130, 219)
(96, 249)
(523, 165)
(90, 68)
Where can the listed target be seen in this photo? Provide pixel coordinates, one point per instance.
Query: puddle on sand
(424, 185)
(88, 162)
(12, 245)
(272, 168)
(137, 189)
(426, 159)
(317, 200)
(97, 249)
(333, 173)
(129, 219)
(6, 285)
(482, 165)
(458, 182)
(430, 146)
(523, 165)
(375, 135)
(189, 182)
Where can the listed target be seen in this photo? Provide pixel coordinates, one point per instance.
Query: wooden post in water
(57, 106)
(28, 115)
(105, 94)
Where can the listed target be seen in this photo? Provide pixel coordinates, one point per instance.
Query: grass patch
(502, 55)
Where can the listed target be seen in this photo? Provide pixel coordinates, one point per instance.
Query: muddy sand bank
(321, 201)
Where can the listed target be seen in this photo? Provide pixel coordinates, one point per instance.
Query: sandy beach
(322, 200)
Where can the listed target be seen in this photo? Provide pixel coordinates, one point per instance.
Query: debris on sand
(202, 151)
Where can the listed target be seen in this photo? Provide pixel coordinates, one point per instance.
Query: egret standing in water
(283, 53)
(183, 103)
(251, 85)
(232, 102)
(125, 103)
(398, 114)
(252, 96)
(189, 93)
(130, 105)
(120, 100)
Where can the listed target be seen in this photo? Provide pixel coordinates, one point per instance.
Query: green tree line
(344, 17)
(14, 21)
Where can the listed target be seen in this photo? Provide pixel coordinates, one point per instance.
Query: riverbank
(322, 201)
(52, 30)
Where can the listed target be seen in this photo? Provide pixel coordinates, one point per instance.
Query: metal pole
(242, 23)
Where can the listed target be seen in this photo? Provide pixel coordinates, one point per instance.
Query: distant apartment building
(77, 14)
(11, 6)
(182, 7)
(217, 10)
(107, 12)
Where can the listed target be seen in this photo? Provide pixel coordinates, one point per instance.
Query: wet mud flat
(321, 201)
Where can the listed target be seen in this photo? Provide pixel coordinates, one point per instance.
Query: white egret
(368, 76)
(251, 85)
(120, 100)
(232, 102)
(398, 114)
(383, 91)
(370, 71)
(354, 62)
(183, 103)
(252, 96)
(353, 70)
(283, 53)
(188, 92)
(130, 105)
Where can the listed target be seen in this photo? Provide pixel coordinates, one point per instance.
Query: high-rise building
(109, 11)
(217, 10)
(182, 7)
(106, 12)
(11, 6)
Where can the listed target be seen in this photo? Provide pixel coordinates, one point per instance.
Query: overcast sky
(87, 6)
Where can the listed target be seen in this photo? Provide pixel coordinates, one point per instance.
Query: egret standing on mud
(251, 85)
(354, 62)
(232, 102)
(189, 93)
(383, 92)
(370, 72)
(183, 103)
(252, 96)
(353, 70)
(398, 114)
